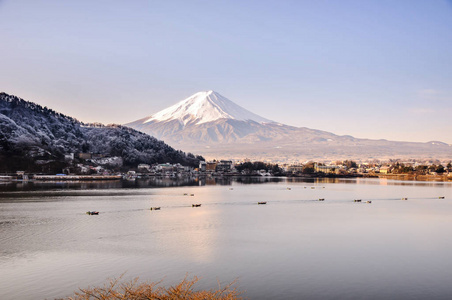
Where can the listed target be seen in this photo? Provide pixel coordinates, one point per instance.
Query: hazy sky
(371, 69)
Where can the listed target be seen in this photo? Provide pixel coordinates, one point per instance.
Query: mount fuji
(214, 126)
(204, 107)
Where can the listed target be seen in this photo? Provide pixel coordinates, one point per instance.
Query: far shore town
(91, 167)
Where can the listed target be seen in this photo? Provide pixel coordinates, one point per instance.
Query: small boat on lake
(441, 197)
(368, 201)
(404, 198)
(321, 199)
(155, 208)
(92, 212)
(264, 202)
(192, 195)
(195, 205)
(358, 200)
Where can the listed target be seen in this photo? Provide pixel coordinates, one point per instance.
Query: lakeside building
(327, 169)
(164, 167)
(224, 166)
(385, 170)
(211, 166)
(294, 169)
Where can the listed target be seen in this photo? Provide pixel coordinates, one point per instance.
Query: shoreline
(96, 178)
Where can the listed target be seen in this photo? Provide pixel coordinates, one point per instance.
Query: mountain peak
(204, 107)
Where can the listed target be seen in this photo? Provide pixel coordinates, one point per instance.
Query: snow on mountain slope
(204, 107)
(32, 136)
(214, 126)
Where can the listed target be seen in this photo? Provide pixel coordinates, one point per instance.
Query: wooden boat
(195, 205)
(321, 199)
(92, 212)
(358, 200)
(155, 208)
(262, 202)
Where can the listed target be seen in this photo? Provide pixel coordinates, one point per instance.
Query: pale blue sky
(371, 69)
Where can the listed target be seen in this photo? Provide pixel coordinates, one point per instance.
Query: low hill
(31, 135)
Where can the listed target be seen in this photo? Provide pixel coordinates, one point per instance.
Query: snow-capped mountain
(205, 117)
(204, 107)
(214, 126)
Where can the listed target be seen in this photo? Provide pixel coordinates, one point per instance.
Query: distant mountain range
(32, 136)
(214, 126)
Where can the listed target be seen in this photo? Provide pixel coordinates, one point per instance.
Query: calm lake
(293, 247)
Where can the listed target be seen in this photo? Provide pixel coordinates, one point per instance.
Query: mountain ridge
(264, 139)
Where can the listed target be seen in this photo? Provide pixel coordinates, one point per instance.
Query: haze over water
(294, 247)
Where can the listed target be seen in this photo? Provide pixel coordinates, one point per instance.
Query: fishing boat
(195, 205)
(368, 201)
(262, 202)
(358, 200)
(155, 208)
(440, 197)
(404, 198)
(321, 199)
(92, 212)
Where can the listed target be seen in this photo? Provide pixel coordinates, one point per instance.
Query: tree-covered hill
(30, 133)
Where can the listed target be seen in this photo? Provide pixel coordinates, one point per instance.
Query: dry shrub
(133, 289)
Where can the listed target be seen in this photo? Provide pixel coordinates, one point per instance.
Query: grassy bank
(136, 290)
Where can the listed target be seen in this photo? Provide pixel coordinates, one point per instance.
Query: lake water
(294, 247)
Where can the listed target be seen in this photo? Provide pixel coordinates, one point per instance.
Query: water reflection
(153, 182)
